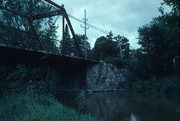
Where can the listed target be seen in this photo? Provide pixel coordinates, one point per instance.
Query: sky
(122, 17)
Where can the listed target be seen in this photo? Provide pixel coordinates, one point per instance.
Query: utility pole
(63, 25)
(85, 32)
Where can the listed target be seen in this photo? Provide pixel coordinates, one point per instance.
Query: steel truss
(31, 18)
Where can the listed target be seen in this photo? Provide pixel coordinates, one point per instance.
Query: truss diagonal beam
(68, 22)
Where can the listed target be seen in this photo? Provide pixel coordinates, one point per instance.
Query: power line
(90, 25)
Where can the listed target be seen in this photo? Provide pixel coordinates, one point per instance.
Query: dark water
(112, 106)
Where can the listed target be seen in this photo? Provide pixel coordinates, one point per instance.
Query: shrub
(81, 100)
(157, 85)
(30, 106)
(116, 61)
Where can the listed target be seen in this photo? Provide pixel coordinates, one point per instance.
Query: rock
(104, 77)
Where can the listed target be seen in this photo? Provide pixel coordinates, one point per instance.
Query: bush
(81, 100)
(30, 106)
(19, 76)
(117, 61)
(157, 85)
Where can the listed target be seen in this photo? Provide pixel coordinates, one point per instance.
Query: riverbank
(31, 106)
(169, 85)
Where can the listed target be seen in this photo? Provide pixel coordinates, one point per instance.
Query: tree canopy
(159, 40)
(44, 28)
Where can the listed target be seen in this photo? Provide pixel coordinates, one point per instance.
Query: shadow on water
(110, 106)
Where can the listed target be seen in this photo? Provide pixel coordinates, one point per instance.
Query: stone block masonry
(106, 77)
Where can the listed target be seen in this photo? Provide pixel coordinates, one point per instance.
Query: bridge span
(17, 55)
(64, 72)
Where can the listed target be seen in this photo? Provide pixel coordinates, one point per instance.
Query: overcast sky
(122, 17)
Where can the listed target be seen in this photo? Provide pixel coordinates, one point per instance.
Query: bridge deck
(17, 55)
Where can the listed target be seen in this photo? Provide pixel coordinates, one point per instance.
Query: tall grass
(31, 106)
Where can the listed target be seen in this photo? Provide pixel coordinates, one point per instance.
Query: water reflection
(115, 107)
(133, 117)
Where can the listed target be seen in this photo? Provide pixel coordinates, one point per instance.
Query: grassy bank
(30, 106)
(156, 86)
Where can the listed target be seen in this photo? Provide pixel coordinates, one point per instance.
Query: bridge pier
(67, 78)
(77, 77)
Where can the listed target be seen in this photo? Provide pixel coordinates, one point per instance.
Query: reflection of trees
(106, 106)
(113, 107)
(154, 108)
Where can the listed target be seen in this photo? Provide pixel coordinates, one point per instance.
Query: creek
(111, 106)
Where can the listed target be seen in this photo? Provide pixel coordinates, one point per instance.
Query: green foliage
(139, 65)
(83, 44)
(112, 48)
(157, 85)
(152, 63)
(45, 28)
(104, 48)
(151, 39)
(13, 77)
(123, 44)
(81, 100)
(66, 43)
(159, 42)
(175, 4)
(117, 61)
(69, 47)
(30, 106)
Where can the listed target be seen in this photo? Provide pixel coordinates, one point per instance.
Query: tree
(66, 43)
(105, 47)
(20, 75)
(83, 45)
(123, 46)
(151, 41)
(175, 4)
(110, 48)
(110, 36)
(160, 42)
(45, 28)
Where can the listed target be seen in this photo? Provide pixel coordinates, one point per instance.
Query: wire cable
(90, 25)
